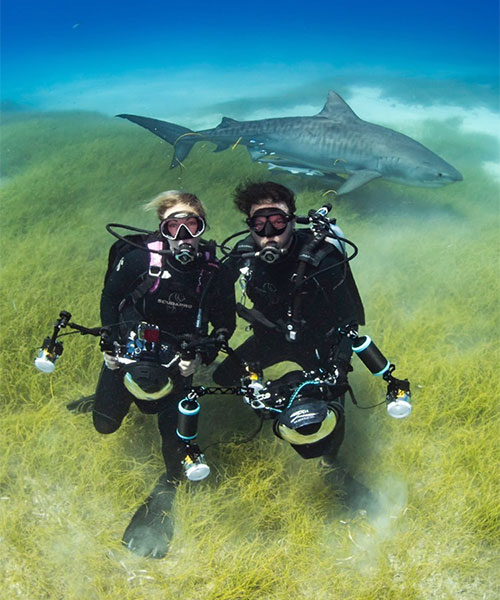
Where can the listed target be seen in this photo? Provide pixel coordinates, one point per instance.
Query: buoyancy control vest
(149, 281)
(309, 255)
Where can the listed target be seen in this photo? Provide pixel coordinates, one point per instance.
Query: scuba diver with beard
(181, 293)
(304, 296)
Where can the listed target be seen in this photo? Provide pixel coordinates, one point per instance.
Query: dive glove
(110, 361)
(188, 367)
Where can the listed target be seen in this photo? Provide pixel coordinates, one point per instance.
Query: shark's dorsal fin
(227, 122)
(336, 107)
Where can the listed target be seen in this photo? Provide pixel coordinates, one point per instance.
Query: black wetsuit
(173, 307)
(327, 301)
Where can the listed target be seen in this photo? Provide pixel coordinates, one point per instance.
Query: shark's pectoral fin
(256, 154)
(356, 180)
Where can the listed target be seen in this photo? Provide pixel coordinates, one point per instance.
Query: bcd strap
(212, 264)
(246, 245)
(151, 279)
(254, 316)
(210, 255)
(313, 253)
(155, 263)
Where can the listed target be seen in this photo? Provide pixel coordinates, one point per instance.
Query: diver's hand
(188, 367)
(110, 361)
(339, 371)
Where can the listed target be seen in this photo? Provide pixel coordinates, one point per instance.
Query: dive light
(187, 423)
(194, 463)
(370, 355)
(398, 391)
(398, 398)
(46, 358)
(51, 349)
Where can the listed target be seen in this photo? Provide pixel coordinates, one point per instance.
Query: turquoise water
(193, 63)
(190, 59)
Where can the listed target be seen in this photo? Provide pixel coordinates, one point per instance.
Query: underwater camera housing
(148, 363)
(307, 411)
(309, 425)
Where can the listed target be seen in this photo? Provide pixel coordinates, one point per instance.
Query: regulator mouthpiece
(271, 253)
(185, 254)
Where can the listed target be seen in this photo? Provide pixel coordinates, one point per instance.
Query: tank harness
(156, 272)
(312, 253)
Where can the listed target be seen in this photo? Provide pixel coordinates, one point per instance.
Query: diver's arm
(343, 306)
(222, 313)
(341, 351)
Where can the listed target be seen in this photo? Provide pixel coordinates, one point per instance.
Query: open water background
(198, 60)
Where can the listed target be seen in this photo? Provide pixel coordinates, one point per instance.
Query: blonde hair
(169, 198)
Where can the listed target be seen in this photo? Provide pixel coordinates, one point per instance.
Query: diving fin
(355, 495)
(83, 405)
(151, 528)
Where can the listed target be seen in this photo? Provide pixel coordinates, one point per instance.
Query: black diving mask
(269, 222)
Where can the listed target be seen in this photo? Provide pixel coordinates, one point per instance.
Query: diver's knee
(225, 375)
(104, 423)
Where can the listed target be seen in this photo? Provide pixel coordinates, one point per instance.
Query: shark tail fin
(181, 138)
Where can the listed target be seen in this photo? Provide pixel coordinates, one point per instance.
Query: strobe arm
(52, 347)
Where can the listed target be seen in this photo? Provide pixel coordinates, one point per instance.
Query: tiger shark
(335, 142)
